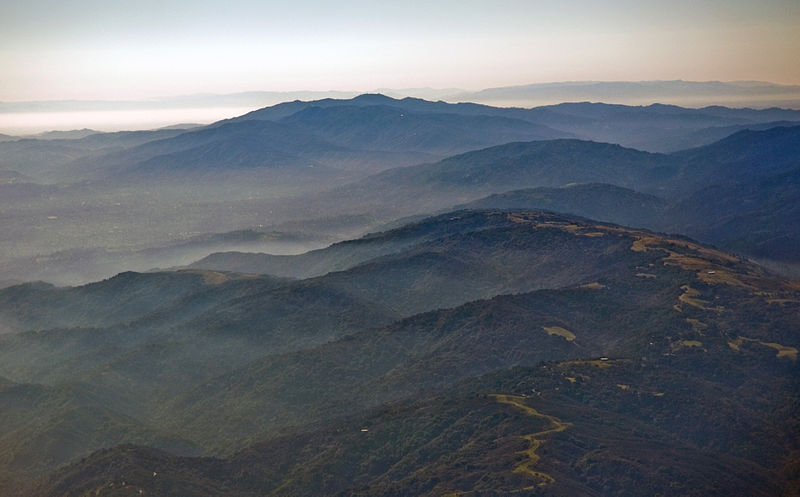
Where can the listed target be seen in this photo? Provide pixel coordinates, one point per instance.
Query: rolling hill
(654, 127)
(582, 387)
(746, 155)
(267, 168)
(737, 193)
(599, 201)
(527, 342)
(389, 128)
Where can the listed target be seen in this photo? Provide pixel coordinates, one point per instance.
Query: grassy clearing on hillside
(690, 295)
(684, 344)
(534, 439)
(559, 331)
(783, 350)
(697, 325)
(598, 363)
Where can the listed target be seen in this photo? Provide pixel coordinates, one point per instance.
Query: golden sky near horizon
(126, 49)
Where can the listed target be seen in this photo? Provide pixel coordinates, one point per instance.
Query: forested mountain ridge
(634, 348)
(667, 312)
(404, 297)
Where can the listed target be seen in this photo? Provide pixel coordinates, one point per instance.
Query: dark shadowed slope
(538, 163)
(685, 180)
(759, 218)
(653, 127)
(44, 427)
(43, 159)
(745, 156)
(469, 176)
(434, 128)
(594, 200)
(344, 255)
(656, 128)
(222, 148)
(129, 295)
(39, 159)
(417, 235)
(687, 332)
(707, 136)
(390, 128)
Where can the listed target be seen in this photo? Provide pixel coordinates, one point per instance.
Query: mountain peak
(373, 98)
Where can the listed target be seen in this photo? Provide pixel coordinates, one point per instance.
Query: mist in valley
(314, 249)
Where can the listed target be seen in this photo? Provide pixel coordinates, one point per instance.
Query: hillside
(756, 217)
(389, 128)
(40, 305)
(93, 206)
(373, 122)
(654, 128)
(469, 176)
(700, 193)
(439, 302)
(503, 312)
(579, 388)
(227, 147)
(344, 255)
(595, 200)
(746, 155)
(322, 135)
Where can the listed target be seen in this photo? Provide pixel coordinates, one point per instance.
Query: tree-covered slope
(667, 366)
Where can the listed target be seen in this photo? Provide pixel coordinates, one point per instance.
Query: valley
(386, 297)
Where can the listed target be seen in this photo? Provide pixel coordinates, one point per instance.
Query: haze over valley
(458, 279)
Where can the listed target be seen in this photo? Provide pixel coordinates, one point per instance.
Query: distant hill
(466, 177)
(39, 158)
(125, 139)
(594, 180)
(389, 128)
(544, 163)
(247, 170)
(594, 200)
(74, 134)
(62, 267)
(315, 136)
(746, 155)
(689, 93)
(343, 255)
(366, 123)
(601, 201)
(44, 157)
(758, 218)
(654, 127)
(706, 136)
(229, 147)
(513, 345)
(40, 305)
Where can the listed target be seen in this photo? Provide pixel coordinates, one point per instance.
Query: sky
(139, 49)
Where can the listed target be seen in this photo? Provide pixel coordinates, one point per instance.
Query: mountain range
(688, 93)
(627, 322)
(76, 207)
(603, 182)
(374, 296)
(755, 94)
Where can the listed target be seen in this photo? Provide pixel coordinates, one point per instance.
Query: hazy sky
(130, 49)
